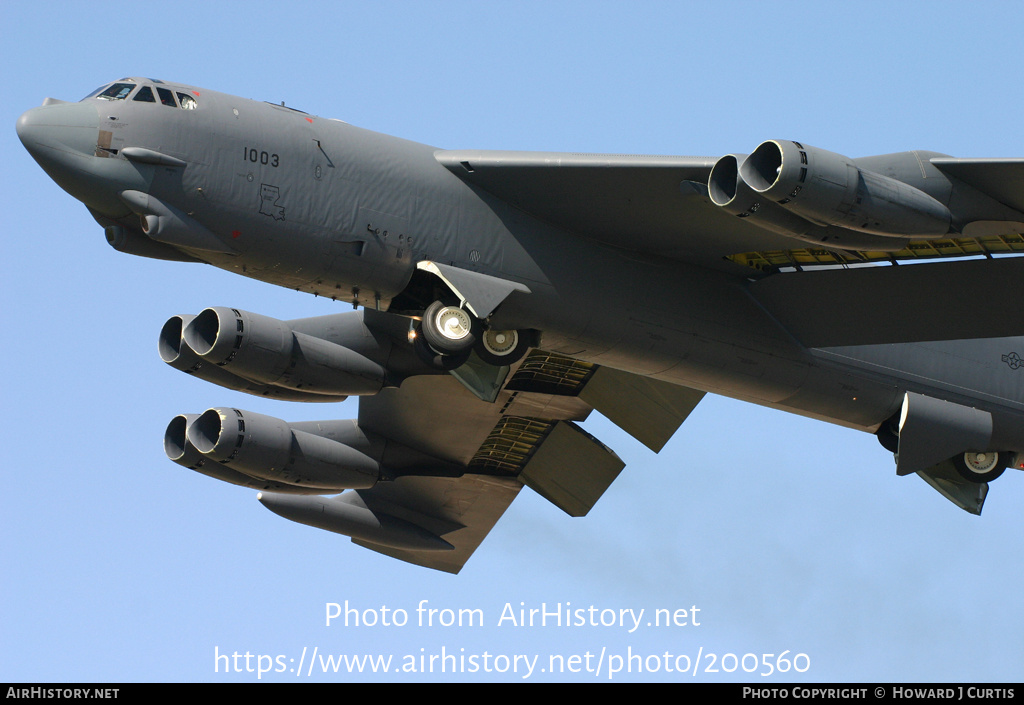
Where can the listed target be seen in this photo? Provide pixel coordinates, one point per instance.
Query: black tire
(888, 435)
(435, 359)
(980, 467)
(504, 347)
(449, 330)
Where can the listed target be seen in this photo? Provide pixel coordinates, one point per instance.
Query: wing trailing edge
(898, 304)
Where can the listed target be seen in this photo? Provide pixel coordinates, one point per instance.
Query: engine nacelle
(269, 449)
(269, 351)
(829, 189)
(175, 351)
(731, 193)
(179, 449)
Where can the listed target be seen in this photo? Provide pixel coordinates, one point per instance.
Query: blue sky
(789, 535)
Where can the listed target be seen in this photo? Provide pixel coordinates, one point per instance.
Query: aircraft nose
(62, 138)
(56, 132)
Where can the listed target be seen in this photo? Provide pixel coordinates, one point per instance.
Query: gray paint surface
(614, 261)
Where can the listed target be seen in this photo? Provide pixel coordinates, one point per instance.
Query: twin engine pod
(325, 358)
(291, 465)
(798, 190)
(267, 357)
(263, 452)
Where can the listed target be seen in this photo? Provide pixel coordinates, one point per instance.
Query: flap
(571, 469)
(898, 304)
(647, 409)
(523, 437)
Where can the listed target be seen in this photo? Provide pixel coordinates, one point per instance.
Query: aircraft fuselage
(324, 207)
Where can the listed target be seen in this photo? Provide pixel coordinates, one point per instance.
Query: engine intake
(730, 192)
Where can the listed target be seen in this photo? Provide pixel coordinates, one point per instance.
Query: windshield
(117, 91)
(126, 87)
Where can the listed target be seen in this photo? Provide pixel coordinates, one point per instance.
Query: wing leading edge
(653, 204)
(662, 206)
(673, 207)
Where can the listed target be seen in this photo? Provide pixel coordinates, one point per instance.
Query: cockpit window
(117, 91)
(166, 97)
(93, 94)
(122, 90)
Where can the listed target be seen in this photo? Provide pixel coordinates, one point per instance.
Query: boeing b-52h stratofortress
(505, 295)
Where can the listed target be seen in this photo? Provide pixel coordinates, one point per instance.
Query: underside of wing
(463, 509)
(898, 304)
(487, 451)
(437, 453)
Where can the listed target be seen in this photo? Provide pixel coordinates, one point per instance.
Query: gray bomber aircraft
(505, 295)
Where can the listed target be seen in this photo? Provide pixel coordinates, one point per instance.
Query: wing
(657, 204)
(428, 467)
(527, 436)
(660, 206)
(1003, 179)
(882, 305)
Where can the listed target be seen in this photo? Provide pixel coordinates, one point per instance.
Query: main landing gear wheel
(501, 347)
(436, 359)
(980, 467)
(449, 330)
